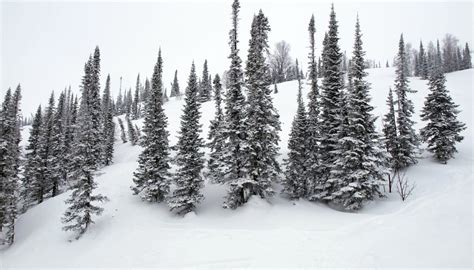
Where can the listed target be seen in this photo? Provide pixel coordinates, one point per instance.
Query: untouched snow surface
(433, 228)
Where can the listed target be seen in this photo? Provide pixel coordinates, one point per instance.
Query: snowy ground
(432, 229)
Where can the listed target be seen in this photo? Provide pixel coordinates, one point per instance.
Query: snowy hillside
(432, 228)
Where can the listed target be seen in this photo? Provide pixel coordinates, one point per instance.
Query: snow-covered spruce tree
(189, 157)
(331, 95)
(312, 177)
(466, 58)
(78, 215)
(423, 63)
(6, 171)
(390, 132)
(295, 182)
(416, 65)
(70, 135)
(135, 112)
(235, 132)
(108, 125)
(71, 117)
(442, 129)
(132, 134)
(146, 91)
(57, 161)
(123, 135)
(205, 87)
(128, 101)
(407, 138)
(322, 69)
(9, 163)
(359, 168)
(152, 177)
(46, 149)
(32, 174)
(94, 104)
(216, 136)
(175, 86)
(262, 119)
(119, 104)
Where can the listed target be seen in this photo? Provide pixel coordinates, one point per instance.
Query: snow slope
(433, 228)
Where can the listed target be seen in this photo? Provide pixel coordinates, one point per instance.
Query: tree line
(336, 155)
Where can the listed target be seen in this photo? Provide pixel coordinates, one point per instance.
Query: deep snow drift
(433, 228)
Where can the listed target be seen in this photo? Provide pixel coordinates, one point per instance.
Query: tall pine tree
(295, 181)
(9, 163)
(216, 136)
(135, 110)
(32, 173)
(189, 157)
(205, 85)
(407, 138)
(175, 86)
(359, 168)
(466, 58)
(423, 63)
(442, 129)
(331, 96)
(46, 149)
(78, 215)
(235, 132)
(57, 160)
(152, 178)
(312, 177)
(390, 132)
(262, 119)
(108, 125)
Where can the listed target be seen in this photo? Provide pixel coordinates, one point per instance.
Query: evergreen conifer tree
(295, 182)
(9, 163)
(32, 173)
(120, 102)
(151, 179)
(331, 96)
(175, 86)
(423, 63)
(466, 58)
(189, 157)
(46, 149)
(132, 134)
(57, 161)
(407, 138)
(359, 168)
(205, 85)
(262, 119)
(94, 103)
(135, 112)
(6, 171)
(108, 125)
(442, 129)
(146, 92)
(313, 132)
(390, 132)
(235, 132)
(216, 136)
(78, 215)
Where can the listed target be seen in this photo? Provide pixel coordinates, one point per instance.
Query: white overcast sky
(44, 45)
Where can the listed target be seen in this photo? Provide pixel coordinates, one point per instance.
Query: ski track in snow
(433, 228)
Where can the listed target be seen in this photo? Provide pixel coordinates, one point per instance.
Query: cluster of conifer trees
(335, 153)
(425, 61)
